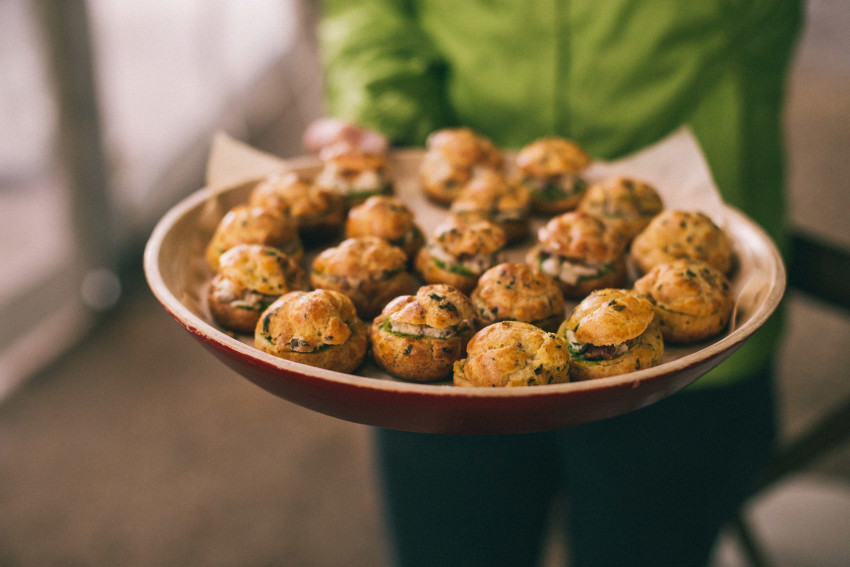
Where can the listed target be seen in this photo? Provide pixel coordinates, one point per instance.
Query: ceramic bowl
(178, 276)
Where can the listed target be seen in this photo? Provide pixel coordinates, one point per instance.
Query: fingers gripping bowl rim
(176, 273)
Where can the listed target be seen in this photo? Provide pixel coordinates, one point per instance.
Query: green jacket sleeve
(380, 70)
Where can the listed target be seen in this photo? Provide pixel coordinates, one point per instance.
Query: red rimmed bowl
(178, 276)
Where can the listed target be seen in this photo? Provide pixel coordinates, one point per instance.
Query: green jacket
(615, 75)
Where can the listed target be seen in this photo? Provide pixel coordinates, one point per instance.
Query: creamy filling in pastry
(227, 291)
(367, 181)
(420, 330)
(469, 265)
(571, 272)
(356, 282)
(590, 351)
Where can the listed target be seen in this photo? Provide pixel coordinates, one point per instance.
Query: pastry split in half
(516, 292)
(627, 204)
(581, 252)
(492, 195)
(244, 224)
(419, 337)
(675, 234)
(510, 354)
(318, 212)
(368, 270)
(452, 156)
(319, 328)
(464, 247)
(250, 277)
(388, 218)
(354, 174)
(612, 331)
(693, 301)
(552, 168)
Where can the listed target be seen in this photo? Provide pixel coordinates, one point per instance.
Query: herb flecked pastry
(675, 234)
(244, 224)
(389, 218)
(452, 157)
(693, 301)
(419, 337)
(250, 277)
(552, 169)
(319, 328)
(612, 331)
(581, 252)
(516, 292)
(354, 174)
(464, 247)
(318, 212)
(627, 204)
(499, 199)
(368, 270)
(510, 354)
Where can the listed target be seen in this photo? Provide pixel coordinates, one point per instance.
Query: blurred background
(123, 443)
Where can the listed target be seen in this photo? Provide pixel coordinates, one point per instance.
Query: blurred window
(167, 73)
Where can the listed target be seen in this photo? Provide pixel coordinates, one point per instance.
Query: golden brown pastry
(693, 301)
(354, 174)
(250, 277)
(612, 331)
(581, 252)
(452, 155)
(318, 212)
(513, 353)
(464, 248)
(626, 203)
(367, 269)
(388, 218)
(419, 337)
(244, 224)
(516, 292)
(494, 196)
(319, 328)
(675, 234)
(552, 168)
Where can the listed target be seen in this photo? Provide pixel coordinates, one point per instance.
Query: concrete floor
(138, 448)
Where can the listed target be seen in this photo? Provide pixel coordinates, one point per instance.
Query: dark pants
(653, 487)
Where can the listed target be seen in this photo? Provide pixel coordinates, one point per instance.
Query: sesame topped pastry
(367, 269)
(317, 211)
(517, 292)
(388, 218)
(319, 328)
(464, 247)
(244, 224)
(419, 337)
(250, 277)
(675, 234)
(494, 196)
(693, 301)
(354, 174)
(612, 331)
(511, 354)
(626, 203)
(581, 252)
(452, 156)
(551, 168)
